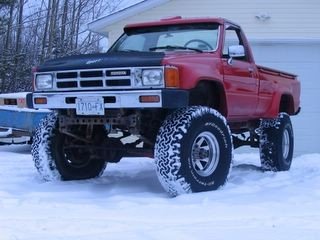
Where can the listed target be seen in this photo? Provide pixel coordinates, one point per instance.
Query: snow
(6, 133)
(128, 202)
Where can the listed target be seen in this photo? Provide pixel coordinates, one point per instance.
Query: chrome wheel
(205, 154)
(285, 144)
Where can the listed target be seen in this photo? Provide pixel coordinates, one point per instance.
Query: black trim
(174, 98)
(29, 100)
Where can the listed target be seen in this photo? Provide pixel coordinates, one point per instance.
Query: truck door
(240, 77)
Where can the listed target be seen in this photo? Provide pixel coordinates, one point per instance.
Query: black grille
(66, 84)
(118, 82)
(91, 74)
(101, 78)
(63, 75)
(92, 83)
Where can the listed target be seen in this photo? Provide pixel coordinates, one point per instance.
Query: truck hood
(103, 60)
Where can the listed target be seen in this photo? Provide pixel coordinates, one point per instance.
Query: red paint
(251, 91)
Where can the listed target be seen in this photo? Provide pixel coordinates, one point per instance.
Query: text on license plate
(90, 106)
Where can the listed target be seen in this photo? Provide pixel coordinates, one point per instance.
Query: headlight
(44, 81)
(152, 77)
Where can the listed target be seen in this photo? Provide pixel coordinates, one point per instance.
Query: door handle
(250, 69)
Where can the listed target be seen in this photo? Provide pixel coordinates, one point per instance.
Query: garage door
(303, 60)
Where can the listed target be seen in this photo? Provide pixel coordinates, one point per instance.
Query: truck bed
(275, 72)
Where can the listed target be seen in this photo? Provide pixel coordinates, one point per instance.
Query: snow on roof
(99, 25)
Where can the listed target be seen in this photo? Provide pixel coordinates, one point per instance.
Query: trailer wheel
(193, 151)
(56, 160)
(276, 143)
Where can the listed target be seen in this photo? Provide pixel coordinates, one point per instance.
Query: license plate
(90, 106)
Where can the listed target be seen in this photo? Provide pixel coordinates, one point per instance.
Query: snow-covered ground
(127, 202)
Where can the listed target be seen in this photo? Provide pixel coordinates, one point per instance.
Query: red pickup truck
(184, 91)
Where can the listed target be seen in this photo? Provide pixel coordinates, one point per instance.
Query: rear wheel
(276, 143)
(60, 156)
(193, 151)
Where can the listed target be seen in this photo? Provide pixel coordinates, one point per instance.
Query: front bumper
(167, 98)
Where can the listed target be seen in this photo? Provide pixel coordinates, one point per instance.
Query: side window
(232, 37)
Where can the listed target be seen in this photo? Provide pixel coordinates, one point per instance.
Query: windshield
(187, 37)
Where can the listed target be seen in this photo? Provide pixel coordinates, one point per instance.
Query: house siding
(290, 19)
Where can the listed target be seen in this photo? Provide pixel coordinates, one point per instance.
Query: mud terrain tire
(276, 143)
(193, 151)
(51, 160)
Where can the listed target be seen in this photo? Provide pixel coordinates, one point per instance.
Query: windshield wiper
(173, 47)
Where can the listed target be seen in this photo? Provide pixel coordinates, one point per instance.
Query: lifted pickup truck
(184, 91)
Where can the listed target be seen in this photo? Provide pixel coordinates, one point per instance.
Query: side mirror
(235, 51)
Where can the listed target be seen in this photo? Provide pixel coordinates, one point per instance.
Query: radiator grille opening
(67, 84)
(90, 74)
(94, 78)
(92, 83)
(118, 82)
(66, 75)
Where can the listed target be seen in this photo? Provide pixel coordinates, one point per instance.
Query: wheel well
(210, 94)
(286, 104)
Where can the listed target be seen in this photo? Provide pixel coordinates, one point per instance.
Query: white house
(283, 34)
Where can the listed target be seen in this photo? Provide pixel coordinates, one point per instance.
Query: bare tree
(53, 28)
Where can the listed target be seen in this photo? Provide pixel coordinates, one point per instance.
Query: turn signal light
(149, 99)
(40, 100)
(171, 76)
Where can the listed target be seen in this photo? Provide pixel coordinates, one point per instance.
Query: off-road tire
(276, 143)
(193, 151)
(50, 159)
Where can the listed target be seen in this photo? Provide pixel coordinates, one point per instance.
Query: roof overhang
(100, 25)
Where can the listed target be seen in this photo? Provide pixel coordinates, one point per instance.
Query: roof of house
(99, 25)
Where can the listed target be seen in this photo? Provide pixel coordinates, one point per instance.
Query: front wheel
(276, 143)
(61, 157)
(193, 151)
